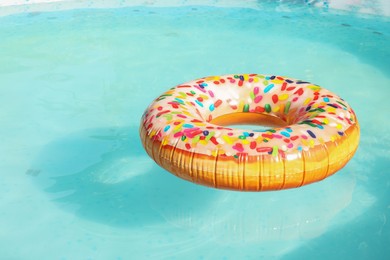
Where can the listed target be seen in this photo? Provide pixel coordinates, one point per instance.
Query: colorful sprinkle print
(182, 116)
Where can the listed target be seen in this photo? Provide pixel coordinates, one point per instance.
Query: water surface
(76, 182)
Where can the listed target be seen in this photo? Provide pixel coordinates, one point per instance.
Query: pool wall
(375, 7)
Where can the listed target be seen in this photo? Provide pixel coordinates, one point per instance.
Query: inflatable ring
(312, 132)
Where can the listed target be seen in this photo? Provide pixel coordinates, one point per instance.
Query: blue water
(75, 182)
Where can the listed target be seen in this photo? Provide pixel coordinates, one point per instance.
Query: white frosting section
(182, 116)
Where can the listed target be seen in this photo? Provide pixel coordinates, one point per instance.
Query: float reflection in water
(103, 176)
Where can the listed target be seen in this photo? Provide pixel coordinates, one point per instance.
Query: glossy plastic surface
(186, 131)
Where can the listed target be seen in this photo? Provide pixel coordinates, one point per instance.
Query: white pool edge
(8, 7)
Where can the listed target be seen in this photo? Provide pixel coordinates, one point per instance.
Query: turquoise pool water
(75, 182)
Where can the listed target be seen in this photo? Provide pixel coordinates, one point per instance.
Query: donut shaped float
(311, 133)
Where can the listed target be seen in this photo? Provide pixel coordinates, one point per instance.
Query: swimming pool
(77, 184)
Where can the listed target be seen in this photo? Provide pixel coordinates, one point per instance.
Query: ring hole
(249, 120)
